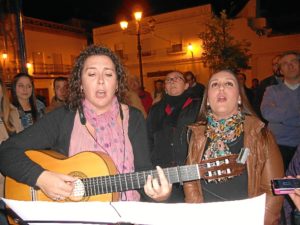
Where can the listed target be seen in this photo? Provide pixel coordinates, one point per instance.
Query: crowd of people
(103, 109)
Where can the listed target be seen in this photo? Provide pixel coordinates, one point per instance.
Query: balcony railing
(55, 69)
(175, 49)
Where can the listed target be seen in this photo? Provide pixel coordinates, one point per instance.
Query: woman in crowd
(60, 87)
(134, 85)
(94, 119)
(23, 97)
(225, 125)
(10, 124)
(167, 126)
(132, 97)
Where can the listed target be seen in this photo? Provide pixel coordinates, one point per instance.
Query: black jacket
(168, 140)
(53, 131)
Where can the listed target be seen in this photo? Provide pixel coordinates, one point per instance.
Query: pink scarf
(112, 138)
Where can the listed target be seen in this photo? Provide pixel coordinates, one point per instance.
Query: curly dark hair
(75, 93)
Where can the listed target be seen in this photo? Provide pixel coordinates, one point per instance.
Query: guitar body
(98, 178)
(82, 165)
(99, 181)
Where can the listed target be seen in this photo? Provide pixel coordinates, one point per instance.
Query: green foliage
(220, 49)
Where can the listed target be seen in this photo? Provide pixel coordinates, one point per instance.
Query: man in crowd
(159, 90)
(242, 80)
(195, 88)
(281, 106)
(274, 79)
(60, 85)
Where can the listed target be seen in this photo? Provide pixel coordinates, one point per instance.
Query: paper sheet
(246, 212)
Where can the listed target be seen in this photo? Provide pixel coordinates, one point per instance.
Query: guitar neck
(137, 180)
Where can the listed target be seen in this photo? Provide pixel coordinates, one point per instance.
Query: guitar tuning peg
(242, 157)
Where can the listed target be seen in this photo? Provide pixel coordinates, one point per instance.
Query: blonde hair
(6, 109)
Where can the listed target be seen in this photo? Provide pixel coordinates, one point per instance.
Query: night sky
(283, 16)
(103, 12)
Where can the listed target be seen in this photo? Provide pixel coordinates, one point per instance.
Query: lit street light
(124, 25)
(4, 58)
(191, 49)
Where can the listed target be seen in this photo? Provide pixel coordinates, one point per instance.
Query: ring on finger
(59, 197)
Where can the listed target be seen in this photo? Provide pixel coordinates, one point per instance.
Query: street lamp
(4, 57)
(124, 25)
(191, 49)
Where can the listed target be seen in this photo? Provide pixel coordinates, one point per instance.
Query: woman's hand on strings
(158, 189)
(56, 186)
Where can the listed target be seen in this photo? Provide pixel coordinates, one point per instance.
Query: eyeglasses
(173, 79)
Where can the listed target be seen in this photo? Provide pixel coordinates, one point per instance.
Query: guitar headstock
(221, 167)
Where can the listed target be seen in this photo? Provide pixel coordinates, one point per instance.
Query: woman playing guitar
(96, 119)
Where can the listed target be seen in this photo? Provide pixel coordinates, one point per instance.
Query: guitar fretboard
(136, 180)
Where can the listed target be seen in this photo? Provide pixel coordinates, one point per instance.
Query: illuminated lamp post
(191, 49)
(124, 25)
(4, 58)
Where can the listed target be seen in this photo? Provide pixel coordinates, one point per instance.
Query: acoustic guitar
(99, 181)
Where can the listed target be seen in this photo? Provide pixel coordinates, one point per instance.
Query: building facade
(50, 49)
(165, 39)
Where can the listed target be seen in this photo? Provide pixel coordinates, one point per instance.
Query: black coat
(53, 131)
(168, 139)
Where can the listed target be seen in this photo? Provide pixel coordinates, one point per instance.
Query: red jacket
(146, 99)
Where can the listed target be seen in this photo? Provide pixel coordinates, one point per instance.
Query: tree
(220, 49)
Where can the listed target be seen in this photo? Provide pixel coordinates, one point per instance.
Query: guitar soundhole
(79, 191)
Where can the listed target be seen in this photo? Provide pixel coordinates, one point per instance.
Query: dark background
(282, 16)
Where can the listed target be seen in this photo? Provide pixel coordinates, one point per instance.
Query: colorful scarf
(221, 133)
